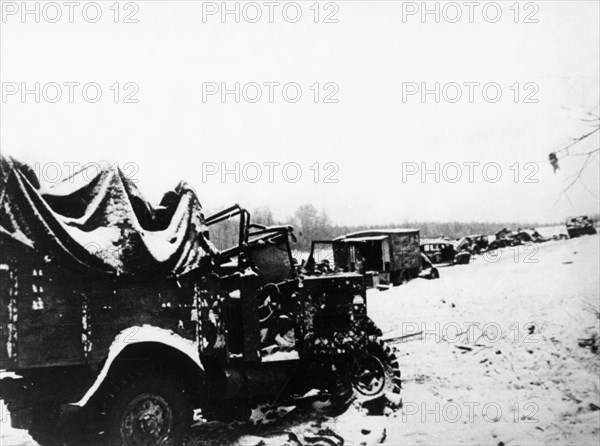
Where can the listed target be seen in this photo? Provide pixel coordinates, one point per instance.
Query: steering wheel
(268, 299)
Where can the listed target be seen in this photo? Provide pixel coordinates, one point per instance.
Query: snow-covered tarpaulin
(103, 223)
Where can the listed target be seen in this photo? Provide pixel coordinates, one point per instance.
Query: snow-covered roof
(372, 232)
(366, 239)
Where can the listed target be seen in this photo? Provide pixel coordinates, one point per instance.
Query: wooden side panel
(114, 306)
(56, 316)
(50, 318)
(5, 291)
(8, 283)
(406, 252)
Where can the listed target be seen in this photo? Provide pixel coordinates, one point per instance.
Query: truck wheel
(377, 374)
(147, 410)
(437, 258)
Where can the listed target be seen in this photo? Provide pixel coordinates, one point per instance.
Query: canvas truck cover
(98, 221)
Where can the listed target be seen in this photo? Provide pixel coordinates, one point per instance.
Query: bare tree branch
(589, 155)
(585, 153)
(576, 140)
(578, 176)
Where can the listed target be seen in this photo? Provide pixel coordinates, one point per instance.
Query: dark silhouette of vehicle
(530, 235)
(481, 243)
(505, 237)
(578, 226)
(445, 252)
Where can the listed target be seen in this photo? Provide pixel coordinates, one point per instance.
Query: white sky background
(369, 133)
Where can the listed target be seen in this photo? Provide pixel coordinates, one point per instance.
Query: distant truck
(577, 226)
(384, 256)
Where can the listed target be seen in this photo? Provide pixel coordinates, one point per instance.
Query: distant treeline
(312, 224)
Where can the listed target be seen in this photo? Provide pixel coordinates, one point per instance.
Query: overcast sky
(361, 122)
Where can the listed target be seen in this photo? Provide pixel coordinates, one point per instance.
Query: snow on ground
(499, 362)
(524, 380)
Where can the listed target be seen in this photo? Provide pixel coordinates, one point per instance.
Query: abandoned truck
(384, 256)
(119, 318)
(578, 226)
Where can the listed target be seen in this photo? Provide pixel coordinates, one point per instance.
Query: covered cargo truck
(124, 316)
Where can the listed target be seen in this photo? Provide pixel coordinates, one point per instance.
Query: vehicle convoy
(578, 226)
(384, 256)
(125, 317)
(505, 237)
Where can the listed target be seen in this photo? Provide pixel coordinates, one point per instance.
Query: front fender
(137, 335)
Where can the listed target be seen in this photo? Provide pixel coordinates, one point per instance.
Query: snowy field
(513, 384)
(499, 362)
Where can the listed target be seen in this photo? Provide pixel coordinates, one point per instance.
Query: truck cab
(130, 344)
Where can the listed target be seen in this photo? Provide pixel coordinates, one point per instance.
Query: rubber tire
(437, 258)
(386, 354)
(125, 389)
